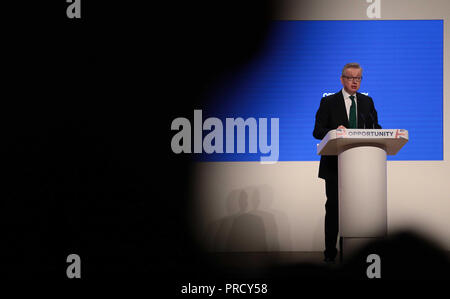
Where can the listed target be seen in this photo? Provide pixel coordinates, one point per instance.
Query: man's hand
(341, 127)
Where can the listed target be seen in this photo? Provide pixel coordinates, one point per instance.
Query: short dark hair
(354, 65)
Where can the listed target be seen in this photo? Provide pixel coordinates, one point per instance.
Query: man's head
(351, 77)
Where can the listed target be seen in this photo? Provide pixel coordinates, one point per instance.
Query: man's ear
(342, 81)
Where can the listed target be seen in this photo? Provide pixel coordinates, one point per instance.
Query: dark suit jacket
(331, 114)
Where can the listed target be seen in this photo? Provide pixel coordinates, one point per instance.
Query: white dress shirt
(348, 103)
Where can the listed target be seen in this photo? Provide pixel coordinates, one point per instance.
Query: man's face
(351, 85)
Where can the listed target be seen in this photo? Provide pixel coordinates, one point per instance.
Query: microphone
(372, 119)
(363, 119)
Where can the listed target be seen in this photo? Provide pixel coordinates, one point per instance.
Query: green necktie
(352, 118)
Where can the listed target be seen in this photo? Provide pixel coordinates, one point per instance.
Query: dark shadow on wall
(217, 232)
(250, 224)
(268, 219)
(239, 230)
(276, 222)
(247, 232)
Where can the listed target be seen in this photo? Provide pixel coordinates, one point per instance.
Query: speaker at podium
(362, 181)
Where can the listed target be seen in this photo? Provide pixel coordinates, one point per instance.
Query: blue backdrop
(301, 60)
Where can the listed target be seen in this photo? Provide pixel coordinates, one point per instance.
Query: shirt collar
(346, 94)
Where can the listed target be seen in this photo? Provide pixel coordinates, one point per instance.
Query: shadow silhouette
(270, 225)
(217, 232)
(250, 224)
(239, 230)
(276, 222)
(247, 232)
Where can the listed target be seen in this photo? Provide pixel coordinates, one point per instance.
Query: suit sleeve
(322, 118)
(373, 111)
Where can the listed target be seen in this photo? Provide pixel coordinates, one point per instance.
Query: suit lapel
(342, 112)
(360, 110)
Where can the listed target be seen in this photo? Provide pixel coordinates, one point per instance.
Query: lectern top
(392, 140)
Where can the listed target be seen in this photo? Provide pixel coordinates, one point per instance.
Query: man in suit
(344, 109)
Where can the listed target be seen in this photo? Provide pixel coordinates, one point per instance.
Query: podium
(362, 181)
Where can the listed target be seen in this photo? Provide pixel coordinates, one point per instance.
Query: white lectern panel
(362, 179)
(362, 192)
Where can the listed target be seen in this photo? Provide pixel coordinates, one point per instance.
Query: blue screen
(300, 61)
